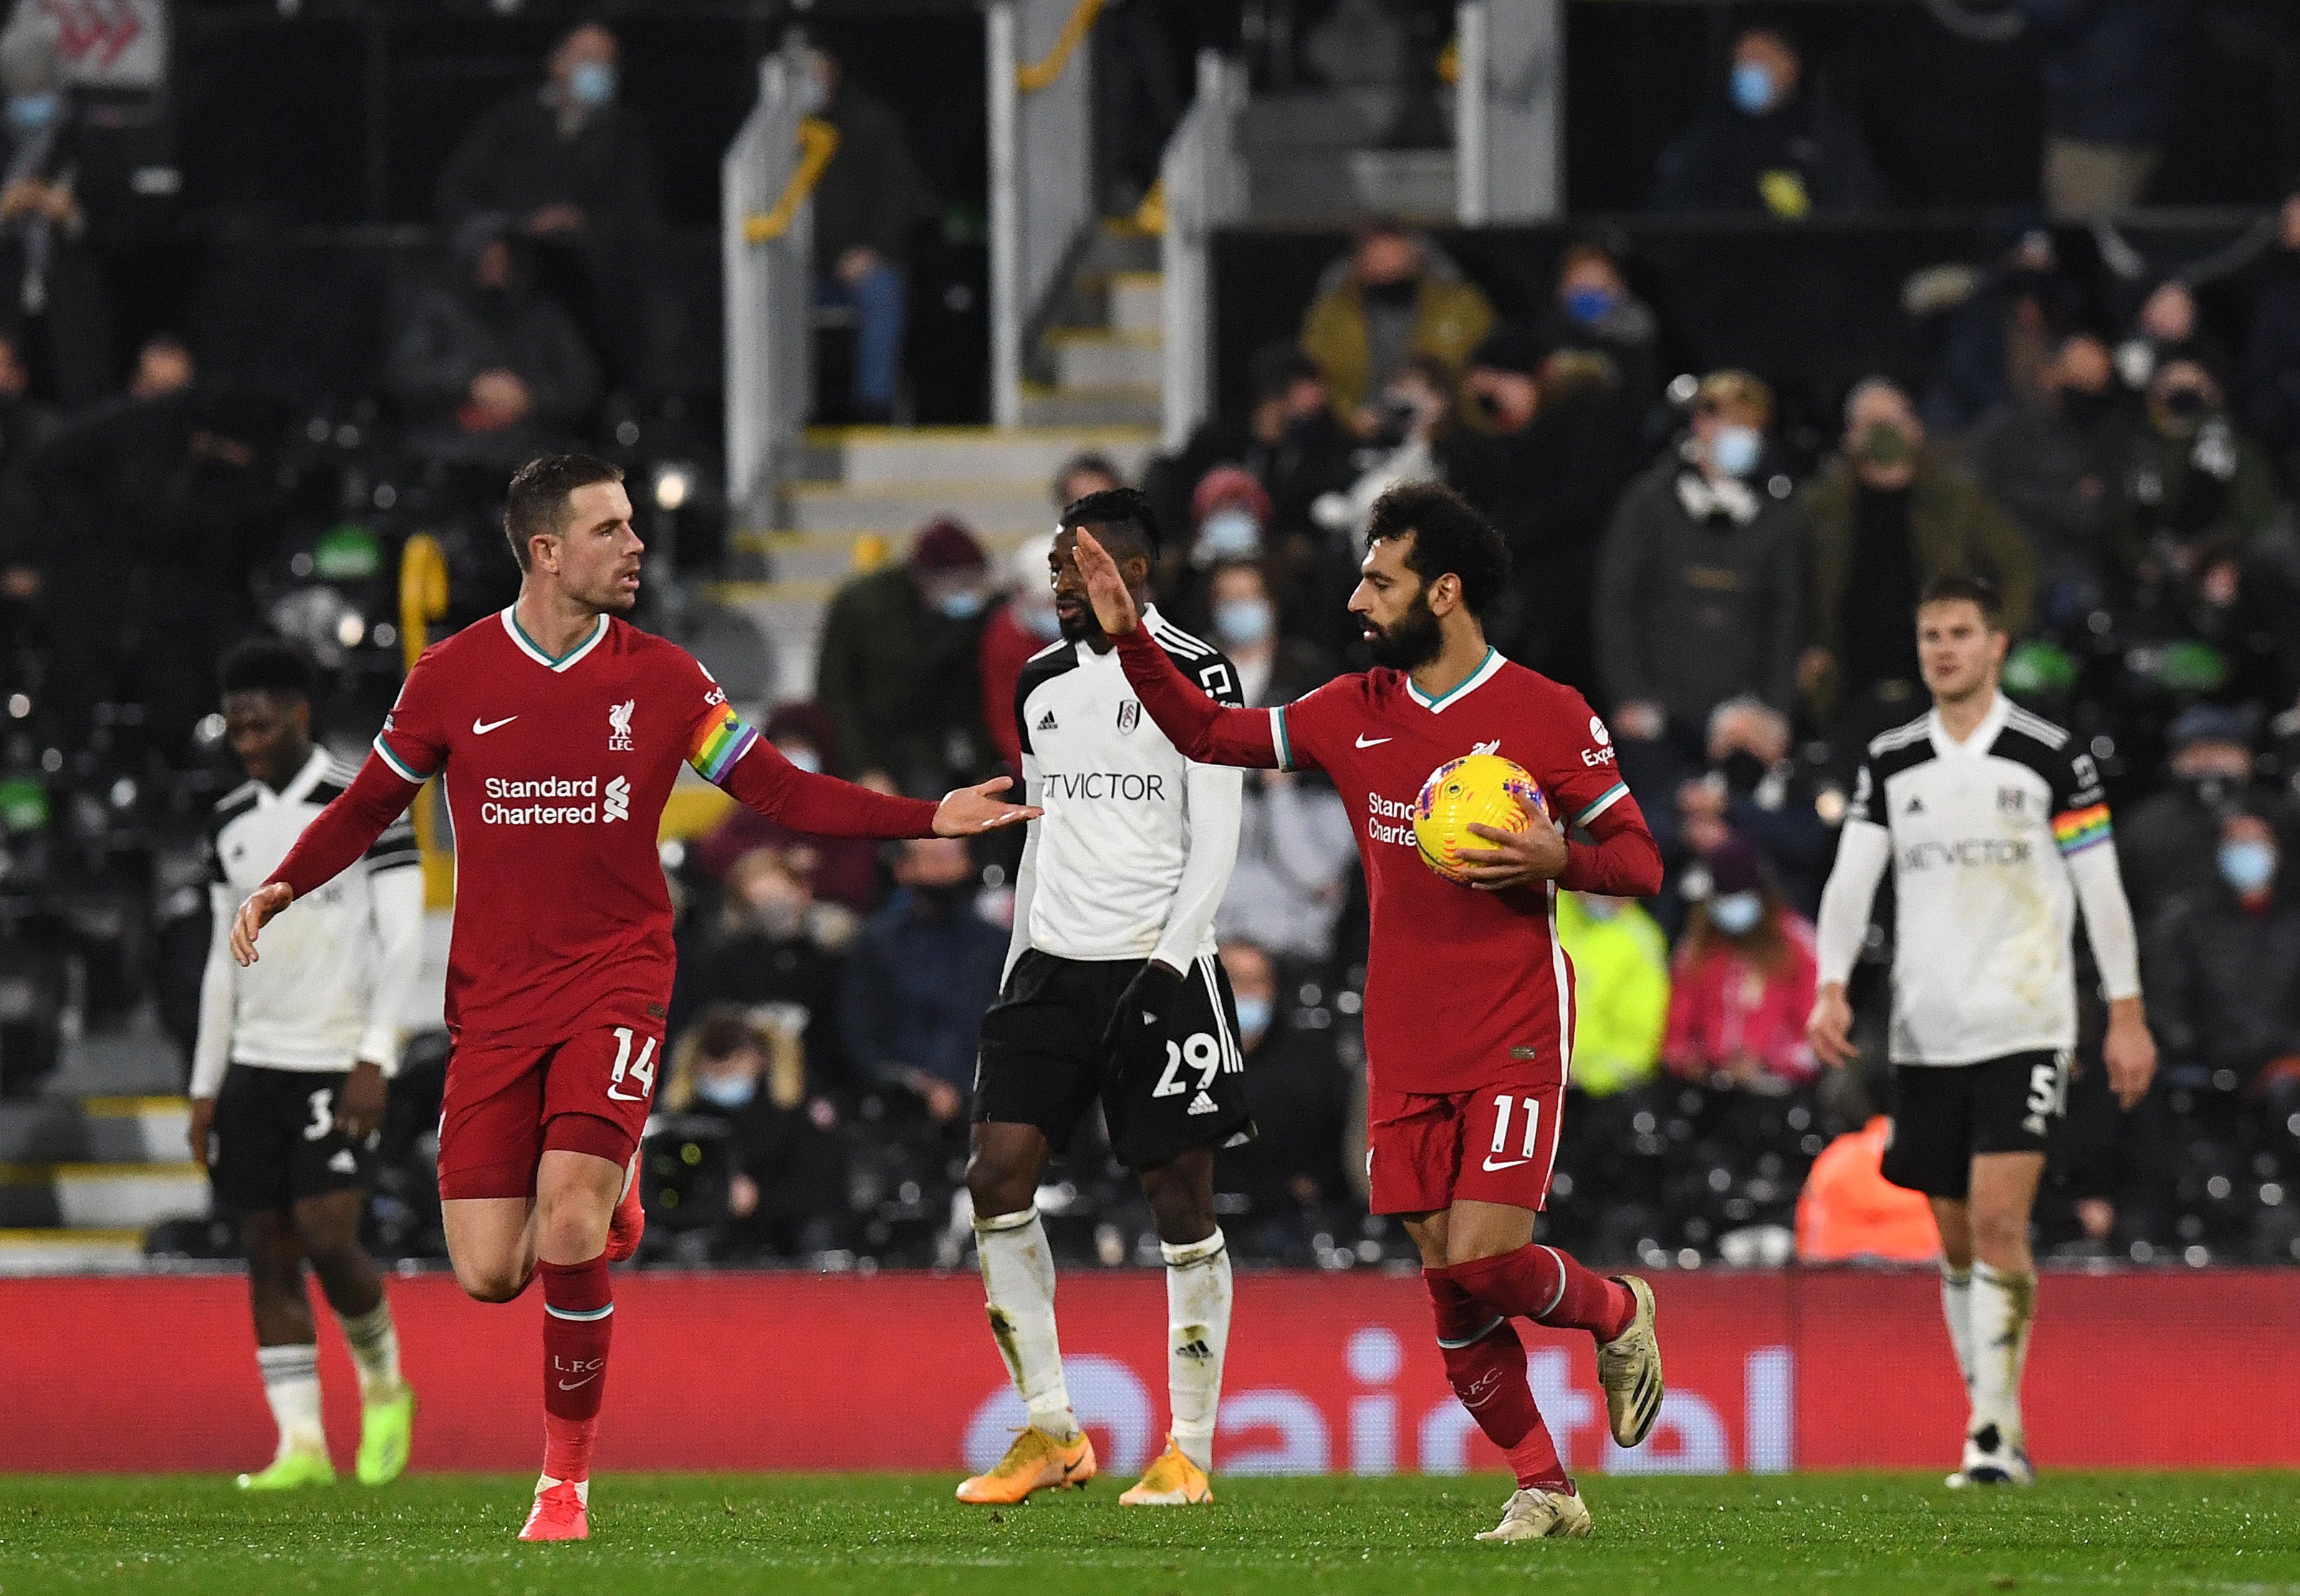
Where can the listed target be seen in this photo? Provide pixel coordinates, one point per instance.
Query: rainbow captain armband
(721, 739)
(2076, 830)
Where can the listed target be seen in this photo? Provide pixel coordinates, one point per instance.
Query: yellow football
(1478, 790)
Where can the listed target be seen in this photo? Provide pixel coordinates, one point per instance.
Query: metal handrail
(423, 599)
(818, 141)
(1031, 78)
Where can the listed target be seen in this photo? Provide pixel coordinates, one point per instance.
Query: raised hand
(1113, 606)
(253, 914)
(966, 810)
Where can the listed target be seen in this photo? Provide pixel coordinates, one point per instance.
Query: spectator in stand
(2052, 458)
(2272, 354)
(1272, 668)
(1698, 588)
(1752, 789)
(2167, 328)
(1561, 441)
(2167, 843)
(1415, 431)
(1084, 473)
(483, 367)
(1772, 148)
(1017, 629)
(569, 170)
(745, 1074)
(24, 424)
(1293, 873)
(1998, 344)
(2224, 967)
(1886, 517)
(1229, 521)
(2112, 89)
(774, 947)
(1621, 964)
(843, 870)
(1743, 983)
(918, 977)
(900, 670)
(1596, 314)
(2191, 476)
(867, 197)
(1290, 1175)
(1290, 442)
(1393, 297)
(1848, 1212)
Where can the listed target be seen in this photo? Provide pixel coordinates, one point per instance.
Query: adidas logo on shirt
(1045, 722)
(1202, 1104)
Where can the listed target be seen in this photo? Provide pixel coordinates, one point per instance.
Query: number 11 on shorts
(642, 1071)
(1502, 1103)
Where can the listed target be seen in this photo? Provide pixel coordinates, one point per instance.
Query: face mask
(1885, 444)
(1243, 621)
(1229, 534)
(1737, 913)
(2085, 408)
(805, 759)
(31, 112)
(591, 84)
(960, 603)
(726, 1091)
(1735, 449)
(1752, 89)
(1589, 305)
(813, 94)
(2247, 867)
(1042, 622)
(948, 895)
(2185, 404)
(1395, 295)
(1742, 770)
(781, 919)
(1254, 1016)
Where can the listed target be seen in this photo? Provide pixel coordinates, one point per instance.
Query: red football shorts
(505, 1107)
(1426, 1151)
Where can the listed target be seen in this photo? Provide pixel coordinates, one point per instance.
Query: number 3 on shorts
(642, 1071)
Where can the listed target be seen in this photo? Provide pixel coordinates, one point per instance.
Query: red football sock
(1486, 1362)
(1543, 1285)
(577, 1318)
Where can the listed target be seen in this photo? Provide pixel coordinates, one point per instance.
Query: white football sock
(2004, 1305)
(291, 1384)
(1956, 1307)
(1018, 1277)
(375, 1348)
(1198, 1334)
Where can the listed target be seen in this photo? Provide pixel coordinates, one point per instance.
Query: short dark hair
(1089, 460)
(538, 499)
(1119, 514)
(267, 665)
(1449, 536)
(1955, 587)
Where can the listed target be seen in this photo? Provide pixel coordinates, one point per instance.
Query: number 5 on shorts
(642, 1071)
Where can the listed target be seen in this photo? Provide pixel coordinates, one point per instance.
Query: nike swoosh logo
(1494, 1169)
(1371, 742)
(481, 727)
(624, 1097)
(577, 1384)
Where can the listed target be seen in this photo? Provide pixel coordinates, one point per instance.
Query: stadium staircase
(861, 492)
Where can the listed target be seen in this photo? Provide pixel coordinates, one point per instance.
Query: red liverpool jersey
(1463, 988)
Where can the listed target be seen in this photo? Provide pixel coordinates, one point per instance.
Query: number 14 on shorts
(638, 1072)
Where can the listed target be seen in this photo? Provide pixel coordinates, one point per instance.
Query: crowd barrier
(1768, 1372)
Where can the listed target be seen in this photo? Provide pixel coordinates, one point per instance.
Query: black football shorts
(1945, 1114)
(276, 1142)
(1043, 1062)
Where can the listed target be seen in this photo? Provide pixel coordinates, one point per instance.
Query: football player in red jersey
(557, 730)
(1469, 1001)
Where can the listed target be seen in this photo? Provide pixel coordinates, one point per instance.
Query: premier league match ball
(1477, 789)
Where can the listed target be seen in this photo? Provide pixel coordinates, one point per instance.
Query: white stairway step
(136, 1130)
(902, 507)
(127, 1195)
(1138, 302)
(804, 564)
(1131, 405)
(878, 457)
(70, 1252)
(1101, 360)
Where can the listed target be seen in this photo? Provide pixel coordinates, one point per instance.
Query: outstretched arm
(338, 836)
(1200, 729)
(751, 769)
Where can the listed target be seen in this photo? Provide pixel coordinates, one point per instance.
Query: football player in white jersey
(1997, 828)
(290, 1068)
(1111, 993)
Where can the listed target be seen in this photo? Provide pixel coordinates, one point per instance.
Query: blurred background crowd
(213, 424)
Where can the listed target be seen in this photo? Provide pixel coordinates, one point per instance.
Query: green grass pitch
(714, 1535)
